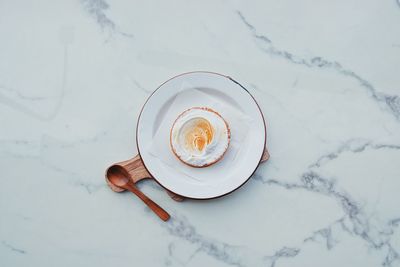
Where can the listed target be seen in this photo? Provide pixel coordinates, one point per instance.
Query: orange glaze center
(199, 135)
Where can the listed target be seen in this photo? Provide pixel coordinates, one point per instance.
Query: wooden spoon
(119, 177)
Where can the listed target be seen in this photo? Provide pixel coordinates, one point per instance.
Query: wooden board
(138, 172)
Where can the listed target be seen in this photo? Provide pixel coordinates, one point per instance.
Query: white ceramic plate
(226, 175)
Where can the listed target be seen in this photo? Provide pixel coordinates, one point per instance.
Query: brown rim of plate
(216, 160)
(209, 72)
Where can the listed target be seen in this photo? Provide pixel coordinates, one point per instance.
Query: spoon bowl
(118, 176)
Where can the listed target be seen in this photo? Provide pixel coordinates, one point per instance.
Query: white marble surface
(74, 74)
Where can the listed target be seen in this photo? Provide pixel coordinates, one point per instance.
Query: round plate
(222, 177)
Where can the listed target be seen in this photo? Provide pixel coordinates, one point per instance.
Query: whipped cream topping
(199, 136)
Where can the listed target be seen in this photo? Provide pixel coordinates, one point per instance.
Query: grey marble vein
(138, 85)
(284, 252)
(313, 182)
(97, 9)
(20, 149)
(21, 95)
(391, 103)
(354, 146)
(179, 226)
(171, 253)
(13, 248)
(76, 179)
(325, 233)
(395, 222)
(240, 256)
(9, 148)
(17, 105)
(48, 141)
(90, 187)
(391, 257)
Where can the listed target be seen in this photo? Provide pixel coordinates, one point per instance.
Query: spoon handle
(150, 203)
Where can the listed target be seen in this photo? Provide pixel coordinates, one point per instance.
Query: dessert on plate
(199, 137)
